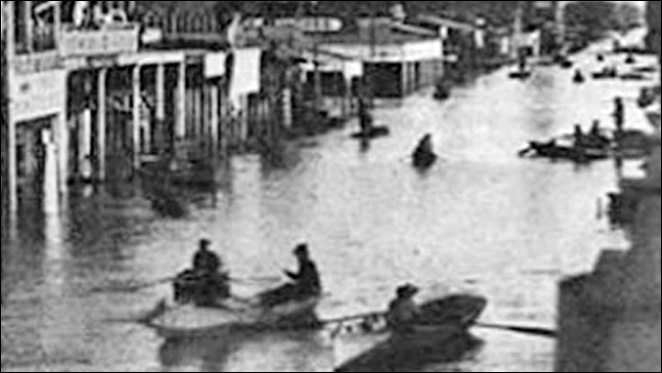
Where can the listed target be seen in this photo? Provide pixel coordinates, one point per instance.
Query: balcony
(107, 41)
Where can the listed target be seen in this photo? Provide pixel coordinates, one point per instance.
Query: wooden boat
(521, 74)
(423, 160)
(579, 78)
(441, 322)
(607, 73)
(567, 64)
(191, 321)
(442, 94)
(443, 90)
(555, 151)
(634, 76)
(373, 133)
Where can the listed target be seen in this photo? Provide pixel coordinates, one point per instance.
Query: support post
(161, 139)
(12, 165)
(29, 25)
(214, 118)
(180, 126)
(61, 137)
(101, 125)
(136, 117)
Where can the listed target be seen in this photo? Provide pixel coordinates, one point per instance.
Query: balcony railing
(110, 40)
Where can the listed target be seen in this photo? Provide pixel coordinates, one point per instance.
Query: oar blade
(534, 331)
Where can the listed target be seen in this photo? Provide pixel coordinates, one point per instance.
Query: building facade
(609, 319)
(5, 122)
(88, 104)
(36, 129)
(654, 17)
(398, 59)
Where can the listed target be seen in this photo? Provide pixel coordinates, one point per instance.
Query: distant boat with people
(424, 156)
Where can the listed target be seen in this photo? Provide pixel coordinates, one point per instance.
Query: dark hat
(301, 249)
(407, 291)
(205, 243)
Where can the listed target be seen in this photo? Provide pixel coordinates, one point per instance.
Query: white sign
(215, 64)
(414, 51)
(38, 95)
(312, 24)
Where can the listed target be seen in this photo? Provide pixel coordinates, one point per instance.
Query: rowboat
(441, 322)
(521, 74)
(423, 160)
(607, 73)
(190, 321)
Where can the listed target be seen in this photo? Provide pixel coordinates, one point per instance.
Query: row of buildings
(609, 320)
(94, 91)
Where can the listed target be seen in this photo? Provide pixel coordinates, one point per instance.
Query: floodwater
(482, 220)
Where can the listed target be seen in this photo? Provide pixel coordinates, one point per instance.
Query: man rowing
(424, 155)
(206, 283)
(306, 282)
(403, 311)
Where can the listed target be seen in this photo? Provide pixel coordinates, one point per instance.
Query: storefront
(37, 113)
(397, 68)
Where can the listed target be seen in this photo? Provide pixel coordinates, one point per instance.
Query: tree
(591, 20)
(629, 16)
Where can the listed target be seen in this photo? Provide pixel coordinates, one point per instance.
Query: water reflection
(247, 352)
(446, 358)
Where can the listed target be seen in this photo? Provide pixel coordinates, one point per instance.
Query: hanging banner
(246, 73)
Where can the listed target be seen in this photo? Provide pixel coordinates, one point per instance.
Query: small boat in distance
(579, 77)
(521, 74)
(424, 156)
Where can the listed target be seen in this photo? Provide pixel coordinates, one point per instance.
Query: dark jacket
(206, 262)
(308, 279)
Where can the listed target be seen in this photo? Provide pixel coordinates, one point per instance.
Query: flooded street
(481, 220)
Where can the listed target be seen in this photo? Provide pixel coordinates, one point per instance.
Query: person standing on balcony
(98, 14)
(80, 16)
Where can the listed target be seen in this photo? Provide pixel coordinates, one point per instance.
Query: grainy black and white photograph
(331, 186)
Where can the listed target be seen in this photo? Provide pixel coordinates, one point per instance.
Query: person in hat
(403, 311)
(307, 279)
(206, 283)
(205, 261)
(305, 283)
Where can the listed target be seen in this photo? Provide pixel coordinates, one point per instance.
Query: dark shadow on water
(214, 354)
(205, 354)
(391, 360)
(278, 159)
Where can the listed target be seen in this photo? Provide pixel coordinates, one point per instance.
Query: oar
(138, 287)
(524, 152)
(132, 288)
(256, 279)
(538, 332)
(342, 320)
